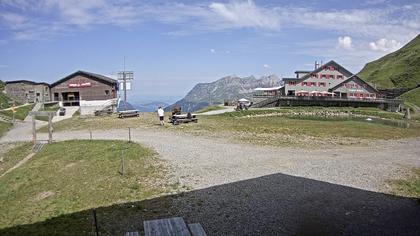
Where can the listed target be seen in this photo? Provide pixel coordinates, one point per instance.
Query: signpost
(50, 115)
(125, 76)
(13, 112)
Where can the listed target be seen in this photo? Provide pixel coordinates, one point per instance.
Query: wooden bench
(128, 113)
(172, 227)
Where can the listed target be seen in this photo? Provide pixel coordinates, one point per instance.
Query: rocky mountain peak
(228, 88)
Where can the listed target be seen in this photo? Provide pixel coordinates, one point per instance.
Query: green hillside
(412, 96)
(400, 69)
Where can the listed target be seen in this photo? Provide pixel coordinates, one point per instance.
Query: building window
(292, 82)
(323, 76)
(339, 76)
(321, 84)
(106, 92)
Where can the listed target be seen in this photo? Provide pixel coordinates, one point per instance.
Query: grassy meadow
(276, 127)
(75, 176)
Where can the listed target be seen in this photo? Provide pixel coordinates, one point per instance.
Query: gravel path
(203, 162)
(216, 112)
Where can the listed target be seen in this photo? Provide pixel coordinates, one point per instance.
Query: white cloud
(266, 66)
(13, 20)
(371, 22)
(212, 50)
(385, 45)
(345, 42)
(375, 2)
(245, 14)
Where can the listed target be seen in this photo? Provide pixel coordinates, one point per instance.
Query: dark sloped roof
(26, 82)
(90, 75)
(352, 77)
(330, 63)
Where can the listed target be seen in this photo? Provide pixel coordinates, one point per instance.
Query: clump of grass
(4, 127)
(77, 113)
(409, 187)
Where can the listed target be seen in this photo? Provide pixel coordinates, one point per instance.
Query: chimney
(316, 65)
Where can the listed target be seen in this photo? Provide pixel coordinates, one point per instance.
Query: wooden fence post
(33, 130)
(122, 162)
(50, 128)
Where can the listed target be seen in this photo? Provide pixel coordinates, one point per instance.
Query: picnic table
(172, 227)
(183, 118)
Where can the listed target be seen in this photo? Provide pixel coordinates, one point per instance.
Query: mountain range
(150, 106)
(229, 88)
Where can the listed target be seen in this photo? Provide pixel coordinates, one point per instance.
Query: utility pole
(125, 88)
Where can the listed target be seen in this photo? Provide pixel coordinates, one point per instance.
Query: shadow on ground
(271, 205)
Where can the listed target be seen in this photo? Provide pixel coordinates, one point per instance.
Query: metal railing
(324, 98)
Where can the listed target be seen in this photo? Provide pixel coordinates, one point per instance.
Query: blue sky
(172, 45)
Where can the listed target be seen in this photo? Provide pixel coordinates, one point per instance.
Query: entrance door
(71, 98)
(344, 95)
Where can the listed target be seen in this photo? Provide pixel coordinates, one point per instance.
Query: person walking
(161, 114)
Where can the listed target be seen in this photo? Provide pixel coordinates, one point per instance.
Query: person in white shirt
(161, 114)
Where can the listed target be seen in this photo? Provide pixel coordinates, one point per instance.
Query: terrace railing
(325, 98)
